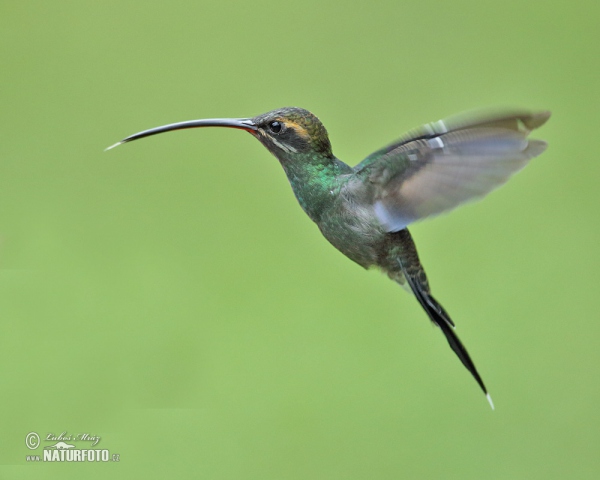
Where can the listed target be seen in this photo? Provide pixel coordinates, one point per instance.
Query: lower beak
(241, 123)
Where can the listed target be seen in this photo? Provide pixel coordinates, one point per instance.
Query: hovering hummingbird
(364, 211)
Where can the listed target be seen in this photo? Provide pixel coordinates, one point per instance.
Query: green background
(171, 296)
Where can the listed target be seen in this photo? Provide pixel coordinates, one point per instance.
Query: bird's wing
(443, 164)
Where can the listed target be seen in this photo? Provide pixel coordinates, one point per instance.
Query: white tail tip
(112, 146)
(489, 399)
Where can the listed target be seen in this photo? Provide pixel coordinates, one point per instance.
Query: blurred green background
(172, 297)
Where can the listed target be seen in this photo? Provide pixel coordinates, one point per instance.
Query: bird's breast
(352, 227)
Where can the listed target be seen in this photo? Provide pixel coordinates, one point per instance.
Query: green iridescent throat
(316, 180)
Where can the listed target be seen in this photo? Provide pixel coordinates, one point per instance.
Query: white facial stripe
(285, 148)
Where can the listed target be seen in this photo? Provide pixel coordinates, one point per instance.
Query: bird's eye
(275, 126)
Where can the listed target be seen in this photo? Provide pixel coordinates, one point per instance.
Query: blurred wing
(445, 163)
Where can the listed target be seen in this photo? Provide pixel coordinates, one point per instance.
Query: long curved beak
(241, 123)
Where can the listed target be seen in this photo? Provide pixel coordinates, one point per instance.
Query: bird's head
(286, 132)
(292, 130)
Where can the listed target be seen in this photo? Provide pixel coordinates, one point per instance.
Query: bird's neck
(315, 180)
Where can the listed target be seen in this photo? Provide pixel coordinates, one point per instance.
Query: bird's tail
(417, 281)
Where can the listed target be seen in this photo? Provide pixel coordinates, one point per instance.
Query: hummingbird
(364, 211)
